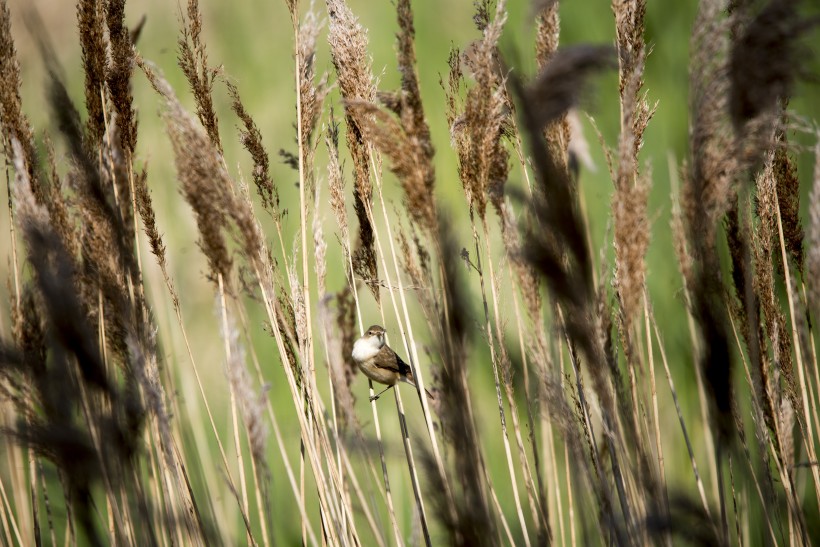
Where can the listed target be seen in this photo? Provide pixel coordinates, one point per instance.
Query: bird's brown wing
(387, 359)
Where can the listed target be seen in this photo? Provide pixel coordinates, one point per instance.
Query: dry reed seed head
(364, 262)
(548, 27)
(62, 208)
(94, 55)
(812, 275)
(765, 249)
(116, 171)
(409, 263)
(193, 60)
(251, 139)
(788, 198)
(765, 329)
(55, 275)
(477, 132)
(14, 124)
(629, 30)
(765, 202)
(632, 234)
(312, 93)
(348, 48)
(630, 200)
(201, 175)
(406, 158)
(94, 196)
(786, 421)
(145, 208)
(738, 237)
(119, 75)
(293, 9)
(412, 111)
(553, 92)
(208, 188)
(106, 243)
(29, 329)
(197, 167)
(455, 81)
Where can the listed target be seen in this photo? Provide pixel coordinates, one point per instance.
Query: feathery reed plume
(813, 256)
(286, 322)
(204, 182)
(193, 60)
(348, 49)
(629, 201)
(788, 199)
(405, 139)
(14, 123)
(72, 376)
(119, 75)
(93, 44)
(773, 328)
(59, 204)
(548, 28)
(109, 263)
(406, 158)
(310, 95)
(478, 127)
(251, 139)
(110, 276)
(146, 211)
(473, 523)
(411, 113)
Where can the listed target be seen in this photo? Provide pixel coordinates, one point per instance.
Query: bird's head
(375, 334)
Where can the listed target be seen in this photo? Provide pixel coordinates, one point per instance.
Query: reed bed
(558, 411)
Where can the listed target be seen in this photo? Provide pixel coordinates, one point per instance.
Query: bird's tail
(412, 381)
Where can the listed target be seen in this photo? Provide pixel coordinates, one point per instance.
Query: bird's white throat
(366, 348)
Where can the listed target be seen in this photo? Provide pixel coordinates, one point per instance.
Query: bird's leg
(374, 397)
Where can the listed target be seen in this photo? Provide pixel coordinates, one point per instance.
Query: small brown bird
(379, 362)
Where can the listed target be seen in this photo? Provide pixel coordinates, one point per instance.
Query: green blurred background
(252, 41)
